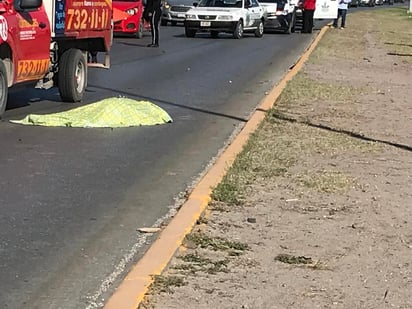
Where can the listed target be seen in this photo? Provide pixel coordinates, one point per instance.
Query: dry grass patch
(396, 41)
(325, 181)
(302, 88)
(196, 263)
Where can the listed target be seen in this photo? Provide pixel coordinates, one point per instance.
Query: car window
(220, 3)
(255, 3)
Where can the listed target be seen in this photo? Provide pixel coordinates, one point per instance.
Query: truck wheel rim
(79, 77)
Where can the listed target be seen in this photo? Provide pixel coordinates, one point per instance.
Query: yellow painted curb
(134, 287)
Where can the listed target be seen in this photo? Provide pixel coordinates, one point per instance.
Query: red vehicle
(127, 17)
(48, 42)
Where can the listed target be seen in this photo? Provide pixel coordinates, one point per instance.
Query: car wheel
(190, 33)
(3, 88)
(259, 30)
(163, 22)
(72, 77)
(139, 33)
(238, 33)
(214, 34)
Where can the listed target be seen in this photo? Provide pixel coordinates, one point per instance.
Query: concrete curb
(132, 290)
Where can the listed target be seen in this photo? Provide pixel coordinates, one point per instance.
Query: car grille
(207, 17)
(180, 8)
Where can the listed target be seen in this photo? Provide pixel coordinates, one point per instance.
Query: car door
(256, 12)
(31, 34)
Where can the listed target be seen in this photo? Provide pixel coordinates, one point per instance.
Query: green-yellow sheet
(108, 113)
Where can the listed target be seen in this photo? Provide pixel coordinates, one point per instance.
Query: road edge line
(134, 287)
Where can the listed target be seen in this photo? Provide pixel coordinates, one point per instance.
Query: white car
(281, 15)
(232, 16)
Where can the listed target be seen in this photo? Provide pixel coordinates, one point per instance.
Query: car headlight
(166, 5)
(225, 17)
(132, 11)
(191, 16)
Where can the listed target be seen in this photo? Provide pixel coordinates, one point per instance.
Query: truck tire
(72, 79)
(238, 33)
(139, 33)
(259, 30)
(4, 88)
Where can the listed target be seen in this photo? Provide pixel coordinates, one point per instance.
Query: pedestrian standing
(342, 10)
(153, 12)
(309, 7)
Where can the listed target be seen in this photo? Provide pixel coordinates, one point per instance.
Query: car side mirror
(27, 5)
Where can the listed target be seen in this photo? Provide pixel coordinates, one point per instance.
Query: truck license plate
(205, 24)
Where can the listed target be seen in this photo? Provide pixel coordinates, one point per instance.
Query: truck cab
(48, 42)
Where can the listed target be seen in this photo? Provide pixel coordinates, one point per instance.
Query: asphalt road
(71, 200)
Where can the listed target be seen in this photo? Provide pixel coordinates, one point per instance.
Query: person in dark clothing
(309, 7)
(153, 12)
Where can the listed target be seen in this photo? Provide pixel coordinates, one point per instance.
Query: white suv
(233, 16)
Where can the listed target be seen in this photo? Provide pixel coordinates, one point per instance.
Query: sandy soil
(334, 231)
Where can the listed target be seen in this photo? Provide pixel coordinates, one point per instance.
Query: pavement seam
(134, 287)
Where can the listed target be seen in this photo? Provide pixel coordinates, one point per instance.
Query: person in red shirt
(309, 7)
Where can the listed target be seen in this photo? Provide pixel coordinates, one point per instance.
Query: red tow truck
(49, 42)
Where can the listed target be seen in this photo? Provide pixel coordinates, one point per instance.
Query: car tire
(72, 79)
(238, 32)
(4, 88)
(163, 22)
(259, 30)
(139, 33)
(190, 33)
(214, 34)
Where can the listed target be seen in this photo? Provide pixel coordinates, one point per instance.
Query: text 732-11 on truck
(48, 42)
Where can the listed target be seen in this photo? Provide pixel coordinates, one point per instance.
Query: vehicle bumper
(223, 26)
(175, 17)
(276, 22)
(126, 26)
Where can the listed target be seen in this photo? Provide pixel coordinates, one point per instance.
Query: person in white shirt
(342, 10)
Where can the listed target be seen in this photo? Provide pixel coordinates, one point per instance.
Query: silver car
(174, 11)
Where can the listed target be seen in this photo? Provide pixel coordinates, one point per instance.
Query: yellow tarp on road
(108, 113)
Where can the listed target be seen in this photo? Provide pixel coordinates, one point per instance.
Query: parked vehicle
(366, 2)
(48, 42)
(354, 3)
(379, 2)
(127, 17)
(280, 15)
(231, 16)
(174, 11)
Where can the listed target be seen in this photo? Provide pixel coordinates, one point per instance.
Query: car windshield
(221, 3)
(180, 2)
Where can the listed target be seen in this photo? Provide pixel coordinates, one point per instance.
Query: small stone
(149, 229)
(251, 220)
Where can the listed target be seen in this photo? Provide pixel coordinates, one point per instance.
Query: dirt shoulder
(316, 212)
